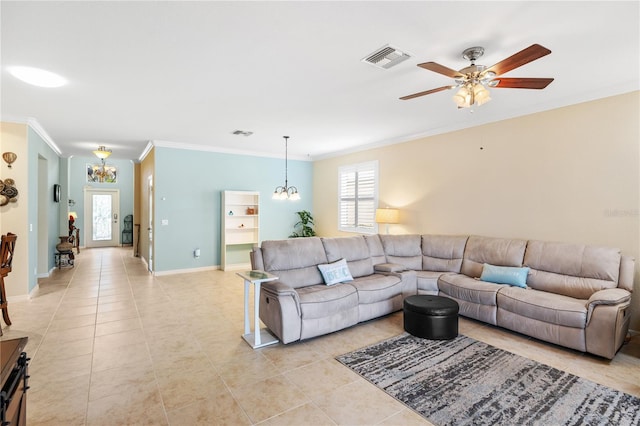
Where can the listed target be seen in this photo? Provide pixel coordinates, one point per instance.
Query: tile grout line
(93, 343)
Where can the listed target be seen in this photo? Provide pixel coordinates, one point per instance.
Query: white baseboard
(238, 267)
(186, 271)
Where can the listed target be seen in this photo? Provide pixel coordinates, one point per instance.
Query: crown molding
(193, 147)
(614, 90)
(37, 127)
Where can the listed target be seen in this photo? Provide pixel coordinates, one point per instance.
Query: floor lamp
(387, 216)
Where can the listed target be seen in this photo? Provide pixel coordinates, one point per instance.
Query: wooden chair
(7, 245)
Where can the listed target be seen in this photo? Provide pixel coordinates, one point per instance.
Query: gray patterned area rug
(467, 382)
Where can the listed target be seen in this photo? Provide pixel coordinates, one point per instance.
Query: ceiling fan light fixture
(462, 98)
(473, 81)
(480, 94)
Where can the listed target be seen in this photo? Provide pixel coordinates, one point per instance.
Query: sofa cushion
(403, 249)
(319, 301)
(443, 252)
(462, 287)
(540, 305)
(375, 288)
(505, 275)
(335, 272)
(354, 249)
(495, 251)
(295, 260)
(428, 281)
(376, 251)
(574, 270)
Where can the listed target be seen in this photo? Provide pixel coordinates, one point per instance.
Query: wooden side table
(259, 337)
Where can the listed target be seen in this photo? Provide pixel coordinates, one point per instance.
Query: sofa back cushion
(403, 249)
(495, 251)
(443, 253)
(295, 261)
(375, 249)
(574, 270)
(354, 249)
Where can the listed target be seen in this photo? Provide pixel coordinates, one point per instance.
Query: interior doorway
(102, 217)
(44, 253)
(150, 228)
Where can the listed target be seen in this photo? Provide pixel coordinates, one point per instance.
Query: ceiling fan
(474, 79)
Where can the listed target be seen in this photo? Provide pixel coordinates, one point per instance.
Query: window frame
(368, 166)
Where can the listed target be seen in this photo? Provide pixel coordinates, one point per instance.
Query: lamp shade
(102, 152)
(387, 215)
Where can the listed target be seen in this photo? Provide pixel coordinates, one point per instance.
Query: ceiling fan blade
(441, 69)
(521, 83)
(426, 92)
(531, 53)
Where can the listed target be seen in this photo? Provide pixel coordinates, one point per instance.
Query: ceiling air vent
(386, 57)
(241, 133)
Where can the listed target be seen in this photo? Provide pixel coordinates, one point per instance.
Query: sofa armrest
(627, 271)
(407, 276)
(389, 267)
(609, 296)
(255, 255)
(608, 319)
(280, 289)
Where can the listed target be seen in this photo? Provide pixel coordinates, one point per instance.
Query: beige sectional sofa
(577, 295)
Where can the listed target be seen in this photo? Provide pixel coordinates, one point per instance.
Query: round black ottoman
(431, 317)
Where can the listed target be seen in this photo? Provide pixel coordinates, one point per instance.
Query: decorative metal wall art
(8, 192)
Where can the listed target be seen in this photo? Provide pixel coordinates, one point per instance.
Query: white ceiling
(190, 73)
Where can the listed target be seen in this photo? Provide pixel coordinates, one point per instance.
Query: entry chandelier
(102, 153)
(286, 192)
(103, 172)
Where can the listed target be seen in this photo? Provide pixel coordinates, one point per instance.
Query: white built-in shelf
(240, 226)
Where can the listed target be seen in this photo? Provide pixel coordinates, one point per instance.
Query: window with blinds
(358, 197)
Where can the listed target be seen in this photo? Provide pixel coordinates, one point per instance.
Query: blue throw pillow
(335, 272)
(505, 275)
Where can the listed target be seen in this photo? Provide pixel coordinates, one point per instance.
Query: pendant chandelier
(286, 192)
(102, 152)
(103, 171)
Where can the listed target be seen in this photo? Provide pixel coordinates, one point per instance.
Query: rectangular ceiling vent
(386, 57)
(241, 133)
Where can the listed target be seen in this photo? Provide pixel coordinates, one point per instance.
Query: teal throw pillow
(505, 275)
(335, 272)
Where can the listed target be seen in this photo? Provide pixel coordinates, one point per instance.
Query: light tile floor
(111, 344)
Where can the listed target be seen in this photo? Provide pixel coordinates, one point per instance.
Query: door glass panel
(102, 229)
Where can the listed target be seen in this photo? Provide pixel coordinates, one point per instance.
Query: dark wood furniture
(13, 382)
(127, 231)
(7, 246)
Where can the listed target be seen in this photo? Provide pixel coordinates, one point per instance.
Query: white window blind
(358, 197)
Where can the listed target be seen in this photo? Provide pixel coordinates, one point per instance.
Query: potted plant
(304, 227)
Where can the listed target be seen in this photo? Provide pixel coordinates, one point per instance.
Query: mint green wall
(187, 187)
(39, 148)
(78, 181)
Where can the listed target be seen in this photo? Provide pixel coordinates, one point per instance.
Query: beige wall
(136, 204)
(570, 174)
(14, 216)
(147, 167)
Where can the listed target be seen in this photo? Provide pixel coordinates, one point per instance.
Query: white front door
(102, 217)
